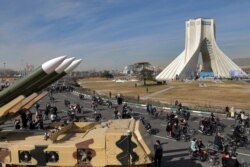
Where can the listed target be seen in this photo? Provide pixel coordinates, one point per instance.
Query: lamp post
(4, 68)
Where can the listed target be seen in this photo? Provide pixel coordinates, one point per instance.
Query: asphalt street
(175, 152)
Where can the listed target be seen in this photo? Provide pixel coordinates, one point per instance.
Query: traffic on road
(186, 139)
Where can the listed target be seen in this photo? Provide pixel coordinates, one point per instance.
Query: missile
(14, 106)
(15, 90)
(11, 109)
(4, 110)
(31, 88)
(36, 99)
(19, 106)
(70, 68)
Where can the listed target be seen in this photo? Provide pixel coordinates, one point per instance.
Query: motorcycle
(146, 124)
(241, 141)
(201, 155)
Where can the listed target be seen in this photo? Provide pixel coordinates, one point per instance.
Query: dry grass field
(126, 88)
(196, 93)
(214, 94)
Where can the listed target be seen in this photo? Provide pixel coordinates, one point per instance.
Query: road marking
(243, 154)
(141, 113)
(90, 109)
(164, 137)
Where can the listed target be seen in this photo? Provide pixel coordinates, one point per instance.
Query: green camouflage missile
(16, 89)
(71, 67)
(32, 87)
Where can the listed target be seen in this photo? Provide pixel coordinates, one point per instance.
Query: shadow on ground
(178, 157)
(180, 162)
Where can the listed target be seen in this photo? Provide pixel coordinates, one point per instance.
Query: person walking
(37, 106)
(158, 153)
(116, 113)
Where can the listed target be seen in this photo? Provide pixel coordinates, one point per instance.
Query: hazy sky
(109, 34)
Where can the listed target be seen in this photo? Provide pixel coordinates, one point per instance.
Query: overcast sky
(109, 34)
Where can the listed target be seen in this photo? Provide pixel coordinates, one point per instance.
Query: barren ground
(198, 93)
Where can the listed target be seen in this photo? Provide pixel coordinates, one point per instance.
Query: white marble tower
(200, 38)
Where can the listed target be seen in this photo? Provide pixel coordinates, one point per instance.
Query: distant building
(128, 70)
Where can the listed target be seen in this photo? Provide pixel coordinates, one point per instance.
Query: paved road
(175, 152)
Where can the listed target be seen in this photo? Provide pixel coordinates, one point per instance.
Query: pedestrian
(47, 110)
(158, 153)
(17, 124)
(37, 106)
(110, 94)
(116, 113)
(176, 103)
(24, 118)
(54, 110)
(119, 99)
(169, 129)
(227, 111)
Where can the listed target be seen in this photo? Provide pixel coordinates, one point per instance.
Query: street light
(4, 68)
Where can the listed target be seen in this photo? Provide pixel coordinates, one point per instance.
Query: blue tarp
(206, 74)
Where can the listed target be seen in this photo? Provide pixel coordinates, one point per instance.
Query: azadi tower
(200, 38)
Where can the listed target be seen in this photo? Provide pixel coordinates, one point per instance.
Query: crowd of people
(177, 124)
(210, 125)
(28, 121)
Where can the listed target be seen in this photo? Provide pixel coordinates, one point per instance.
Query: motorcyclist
(212, 117)
(125, 107)
(81, 96)
(94, 105)
(176, 120)
(100, 101)
(200, 144)
(202, 125)
(247, 122)
(175, 131)
(229, 159)
(238, 132)
(194, 147)
(172, 115)
(184, 126)
(148, 127)
(208, 127)
(239, 118)
(186, 114)
(205, 126)
(66, 103)
(218, 141)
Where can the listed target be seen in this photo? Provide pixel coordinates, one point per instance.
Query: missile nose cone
(64, 65)
(51, 65)
(73, 65)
